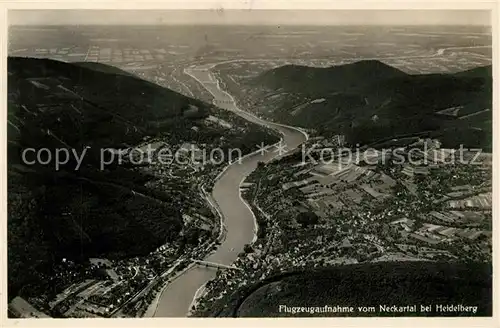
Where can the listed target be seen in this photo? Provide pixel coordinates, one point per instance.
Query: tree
(307, 218)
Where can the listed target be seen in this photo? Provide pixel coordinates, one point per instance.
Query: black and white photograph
(215, 163)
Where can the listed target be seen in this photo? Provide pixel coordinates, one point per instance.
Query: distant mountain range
(370, 101)
(74, 214)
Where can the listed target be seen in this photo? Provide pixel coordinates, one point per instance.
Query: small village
(316, 214)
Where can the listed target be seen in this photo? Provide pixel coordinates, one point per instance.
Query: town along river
(176, 298)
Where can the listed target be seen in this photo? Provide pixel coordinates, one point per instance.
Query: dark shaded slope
(369, 284)
(86, 212)
(482, 72)
(132, 104)
(103, 68)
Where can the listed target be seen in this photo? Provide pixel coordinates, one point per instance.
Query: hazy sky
(253, 17)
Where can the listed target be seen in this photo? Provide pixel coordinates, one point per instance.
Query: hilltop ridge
(369, 101)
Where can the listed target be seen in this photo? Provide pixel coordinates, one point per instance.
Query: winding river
(176, 298)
